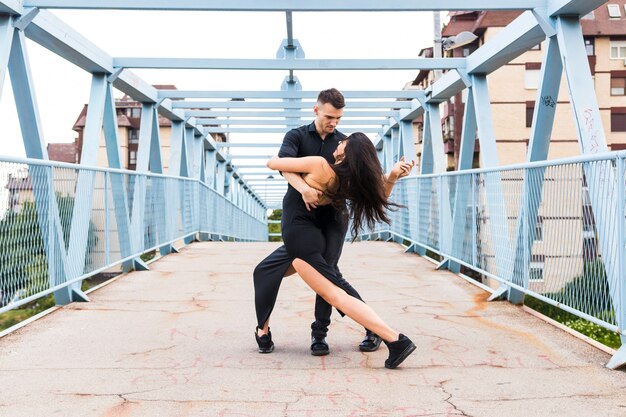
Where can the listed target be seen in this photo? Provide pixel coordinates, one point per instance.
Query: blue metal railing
(553, 229)
(56, 231)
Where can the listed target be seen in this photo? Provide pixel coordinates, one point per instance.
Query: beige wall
(165, 133)
(508, 96)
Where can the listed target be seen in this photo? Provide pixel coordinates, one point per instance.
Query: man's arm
(310, 195)
(289, 149)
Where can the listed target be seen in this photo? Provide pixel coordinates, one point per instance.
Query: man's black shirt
(305, 141)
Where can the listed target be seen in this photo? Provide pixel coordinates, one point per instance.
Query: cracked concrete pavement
(178, 341)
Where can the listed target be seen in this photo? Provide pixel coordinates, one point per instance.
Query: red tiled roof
(19, 183)
(62, 152)
(123, 121)
(599, 24)
(602, 24)
(80, 122)
(495, 19)
(459, 22)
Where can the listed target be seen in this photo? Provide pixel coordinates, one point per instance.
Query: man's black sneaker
(371, 342)
(399, 351)
(319, 347)
(265, 342)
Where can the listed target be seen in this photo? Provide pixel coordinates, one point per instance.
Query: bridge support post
(619, 359)
(465, 184)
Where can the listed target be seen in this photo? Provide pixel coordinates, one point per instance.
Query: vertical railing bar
(107, 247)
(620, 250)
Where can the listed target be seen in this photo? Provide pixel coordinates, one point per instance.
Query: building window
(530, 110)
(419, 130)
(133, 112)
(618, 49)
(614, 11)
(590, 47)
(536, 47)
(532, 75)
(132, 158)
(618, 83)
(618, 119)
(539, 229)
(535, 269)
(133, 136)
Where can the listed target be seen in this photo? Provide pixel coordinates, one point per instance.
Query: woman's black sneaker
(399, 351)
(265, 342)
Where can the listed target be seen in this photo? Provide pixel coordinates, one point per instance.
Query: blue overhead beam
(295, 94)
(280, 122)
(291, 64)
(11, 7)
(286, 113)
(289, 5)
(512, 41)
(283, 105)
(279, 130)
(572, 7)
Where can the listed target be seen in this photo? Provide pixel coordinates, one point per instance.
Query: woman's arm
(304, 165)
(399, 170)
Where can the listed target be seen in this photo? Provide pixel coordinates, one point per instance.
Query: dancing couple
(332, 179)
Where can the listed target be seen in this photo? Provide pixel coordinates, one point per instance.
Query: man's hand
(311, 197)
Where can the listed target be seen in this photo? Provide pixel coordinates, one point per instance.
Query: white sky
(62, 89)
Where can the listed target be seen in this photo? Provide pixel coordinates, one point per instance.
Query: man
(319, 138)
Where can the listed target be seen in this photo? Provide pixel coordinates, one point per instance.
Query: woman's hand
(401, 169)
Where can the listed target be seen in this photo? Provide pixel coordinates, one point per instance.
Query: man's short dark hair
(332, 96)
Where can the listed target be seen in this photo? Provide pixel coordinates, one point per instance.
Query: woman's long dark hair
(360, 184)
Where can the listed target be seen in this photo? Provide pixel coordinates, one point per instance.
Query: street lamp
(459, 40)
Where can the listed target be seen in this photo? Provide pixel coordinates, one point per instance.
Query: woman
(357, 179)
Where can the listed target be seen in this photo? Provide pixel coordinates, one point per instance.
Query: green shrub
(589, 329)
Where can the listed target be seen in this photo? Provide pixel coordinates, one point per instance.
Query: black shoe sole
(267, 350)
(320, 352)
(372, 349)
(405, 353)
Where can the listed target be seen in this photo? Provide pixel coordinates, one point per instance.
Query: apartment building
(513, 91)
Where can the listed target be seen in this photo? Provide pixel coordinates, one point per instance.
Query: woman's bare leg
(354, 308)
(265, 329)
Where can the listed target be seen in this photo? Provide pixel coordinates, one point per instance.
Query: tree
(274, 227)
(23, 259)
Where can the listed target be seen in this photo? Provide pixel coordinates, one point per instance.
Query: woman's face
(339, 152)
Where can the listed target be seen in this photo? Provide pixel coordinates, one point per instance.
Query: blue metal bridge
(72, 221)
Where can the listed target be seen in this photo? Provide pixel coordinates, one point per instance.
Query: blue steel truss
(196, 156)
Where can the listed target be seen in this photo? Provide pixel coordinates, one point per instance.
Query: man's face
(326, 118)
